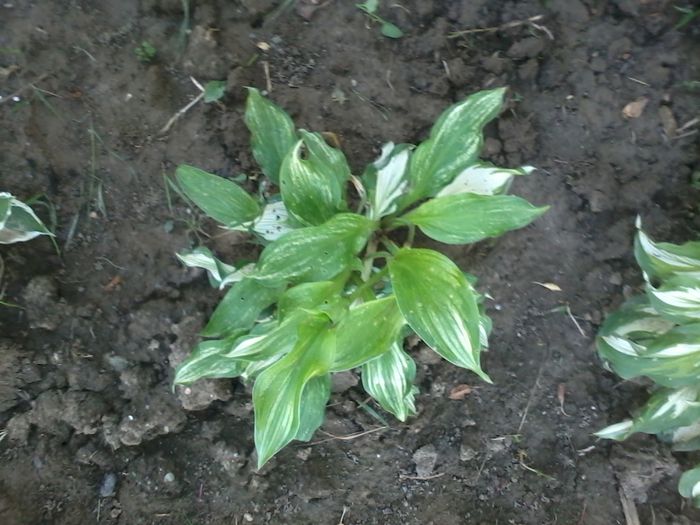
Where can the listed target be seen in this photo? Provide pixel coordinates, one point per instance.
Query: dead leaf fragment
(460, 392)
(635, 108)
(668, 121)
(549, 286)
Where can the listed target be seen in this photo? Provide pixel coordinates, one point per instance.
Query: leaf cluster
(657, 335)
(332, 290)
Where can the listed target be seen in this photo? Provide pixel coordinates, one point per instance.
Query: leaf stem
(390, 245)
(411, 236)
(368, 284)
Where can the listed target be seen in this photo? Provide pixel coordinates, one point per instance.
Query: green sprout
(145, 52)
(370, 8)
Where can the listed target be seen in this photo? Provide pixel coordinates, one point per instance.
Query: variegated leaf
(678, 298)
(208, 359)
(18, 222)
(220, 274)
(389, 379)
(274, 221)
(663, 259)
(689, 485)
(386, 179)
(484, 178)
(313, 406)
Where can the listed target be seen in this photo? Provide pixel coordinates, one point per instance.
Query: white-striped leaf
(220, 274)
(316, 253)
(386, 179)
(277, 393)
(272, 133)
(389, 379)
(468, 217)
(454, 144)
(484, 178)
(18, 222)
(313, 406)
(663, 259)
(678, 298)
(208, 360)
(366, 332)
(273, 222)
(439, 304)
(313, 187)
(689, 485)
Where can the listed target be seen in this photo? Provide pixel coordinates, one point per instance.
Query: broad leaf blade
(277, 393)
(313, 188)
(315, 253)
(454, 144)
(663, 259)
(313, 406)
(367, 331)
(208, 360)
(439, 304)
(240, 307)
(689, 485)
(389, 379)
(386, 180)
(467, 217)
(274, 221)
(678, 298)
(220, 274)
(483, 178)
(272, 133)
(222, 200)
(320, 295)
(18, 222)
(391, 30)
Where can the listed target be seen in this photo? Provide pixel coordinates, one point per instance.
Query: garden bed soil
(92, 430)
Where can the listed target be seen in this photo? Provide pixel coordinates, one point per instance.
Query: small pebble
(109, 484)
(169, 477)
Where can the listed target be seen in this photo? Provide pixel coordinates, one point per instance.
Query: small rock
(425, 459)
(343, 381)
(466, 453)
(615, 279)
(169, 477)
(526, 48)
(108, 486)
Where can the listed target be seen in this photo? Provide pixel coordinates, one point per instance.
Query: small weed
(370, 8)
(145, 52)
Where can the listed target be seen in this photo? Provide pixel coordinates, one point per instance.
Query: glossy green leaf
(367, 331)
(221, 199)
(208, 360)
(275, 341)
(678, 298)
(391, 30)
(18, 222)
(389, 379)
(313, 406)
(277, 393)
(467, 217)
(385, 179)
(454, 144)
(316, 253)
(439, 304)
(670, 359)
(666, 409)
(272, 133)
(319, 295)
(689, 485)
(663, 259)
(483, 178)
(313, 186)
(369, 6)
(240, 307)
(214, 90)
(220, 274)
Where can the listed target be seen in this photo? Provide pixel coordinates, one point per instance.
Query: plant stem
(369, 257)
(411, 236)
(391, 245)
(368, 284)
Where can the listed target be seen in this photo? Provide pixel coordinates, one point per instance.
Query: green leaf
(678, 298)
(18, 222)
(207, 360)
(313, 188)
(390, 30)
(214, 90)
(386, 180)
(313, 406)
(370, 6)
(316, 253)
(454, 144)
(221, 199)
(485, 179)
(367, 331)
(689, 485)
(669, 359)
(220, 273)
(277, 393)
(320, 295)
(273, 222)
(439, 304)
(272, 133)
(389, 379)
(467, 217)
(663, 259)
(240, 307)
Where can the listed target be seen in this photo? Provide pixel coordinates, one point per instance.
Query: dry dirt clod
(635, 108)
(425, 459)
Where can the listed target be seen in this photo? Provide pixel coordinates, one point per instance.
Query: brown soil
(92, 431)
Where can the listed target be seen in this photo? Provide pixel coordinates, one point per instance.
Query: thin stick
(571, 316)
(532, 396)
(266, 69)
(346, 438)
(179, 114)
(508, 25)
(22, 89)
(422, 478)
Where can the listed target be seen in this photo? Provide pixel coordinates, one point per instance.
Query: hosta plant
(338, 285)
(657, 335)
(18, 222)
